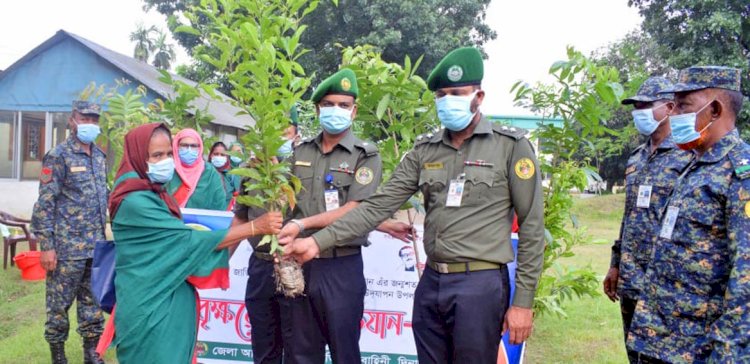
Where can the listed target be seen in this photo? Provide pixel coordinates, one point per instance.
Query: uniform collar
(347, 142)
(721, 148)
(483, 127)
(76, 147)
(667, 143)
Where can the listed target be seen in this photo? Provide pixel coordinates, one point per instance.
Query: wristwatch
(299, 224)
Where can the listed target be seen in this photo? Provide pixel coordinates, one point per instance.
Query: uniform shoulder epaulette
(369, 148)
(432, 136)
(739, 156)
(511, 131)
(307, 140)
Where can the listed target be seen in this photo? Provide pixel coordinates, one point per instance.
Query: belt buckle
(442, 267)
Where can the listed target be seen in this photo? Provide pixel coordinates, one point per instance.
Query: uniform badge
(455, 73)
(346, 84)
(303, 163)
(78, 169)
(747, 209)
(364, 176)
(524, 168)
(434, 165)
(344, 165)
(46, 176)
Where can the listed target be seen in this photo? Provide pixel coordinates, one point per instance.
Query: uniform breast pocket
(432, 183)
(305, 175)
(342, 181)
(479, 182)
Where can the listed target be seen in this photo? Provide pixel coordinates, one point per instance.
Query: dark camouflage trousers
(71, 280)
(627, 308)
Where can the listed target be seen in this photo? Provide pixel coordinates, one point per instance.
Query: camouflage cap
(85, 107)
(698, 78)
(343, 82)
(460, 67)
(651, 90)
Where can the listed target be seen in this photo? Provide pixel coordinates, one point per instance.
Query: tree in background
(702, 32)
(163, 51)
(583, 94)
(397, 28)
(636, 57)
(143, 42)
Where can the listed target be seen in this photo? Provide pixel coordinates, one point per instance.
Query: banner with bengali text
(391, 274)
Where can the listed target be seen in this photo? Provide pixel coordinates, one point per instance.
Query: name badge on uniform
(670, 219)
(332, 199)
(303, 163)
(456, 192)
(644, 196)
(78, 169)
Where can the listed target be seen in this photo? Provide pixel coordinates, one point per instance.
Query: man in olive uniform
(649, 178)
(474, 175)
(69, 217)
(337, 171)
(694, 303)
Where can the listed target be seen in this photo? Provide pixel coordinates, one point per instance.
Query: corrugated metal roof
(224, 113)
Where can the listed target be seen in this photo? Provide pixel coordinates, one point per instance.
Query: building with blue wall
(37, 90)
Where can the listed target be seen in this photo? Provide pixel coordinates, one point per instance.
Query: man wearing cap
(337, 171)
(69, 217)
(474, 175)
(696, 292)
(649, 177)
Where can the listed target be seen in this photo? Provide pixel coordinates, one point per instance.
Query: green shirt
(355, 171)
(501, 176)
(209, 193)
(156, 314)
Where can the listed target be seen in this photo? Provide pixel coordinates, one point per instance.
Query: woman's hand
(268, 224)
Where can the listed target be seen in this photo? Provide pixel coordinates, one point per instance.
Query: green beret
(461, 67)
(294, 115)
(343, 82)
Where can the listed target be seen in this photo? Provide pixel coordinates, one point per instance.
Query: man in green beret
(474, 175)
(695, 303)
(337, 171)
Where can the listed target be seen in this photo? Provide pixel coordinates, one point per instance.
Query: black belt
(340, 252)
(463, 267)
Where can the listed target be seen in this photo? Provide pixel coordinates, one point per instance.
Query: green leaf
(266, 239)
(187, 29)
(382, 106)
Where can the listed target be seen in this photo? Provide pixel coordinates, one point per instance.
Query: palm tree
(163, 52)
(143, 41)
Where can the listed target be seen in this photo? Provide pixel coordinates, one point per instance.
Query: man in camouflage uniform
(649, 177)
(696, 292)
(69, 217)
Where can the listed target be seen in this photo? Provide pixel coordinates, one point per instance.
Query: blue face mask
(236, 160)
(334, 119)
(645, 122)
(286, 149)
(683, 126)
(454, 112)
(219, 161)
(87, 133)
(162, 171)
(188, 156)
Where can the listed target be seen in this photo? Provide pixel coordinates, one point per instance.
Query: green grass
(592, 333)
(22, 316)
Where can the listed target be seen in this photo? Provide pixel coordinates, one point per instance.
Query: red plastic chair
(10, 242)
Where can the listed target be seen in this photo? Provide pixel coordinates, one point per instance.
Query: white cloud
(532, 34)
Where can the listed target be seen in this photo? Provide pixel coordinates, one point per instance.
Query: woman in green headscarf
(218, 157)
(161, 261)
